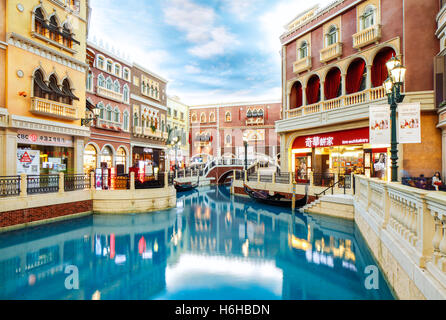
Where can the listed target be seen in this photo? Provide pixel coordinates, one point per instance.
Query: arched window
(90, 158)
(202, 118)
(107, 156)
(68, 98)
(260, 113)
(126, 74)
(296, 97)
(100, 62)
(40, 87)
(125, 93)
(332, 36)
(249, 113)
(313, 90)
(379, 68)
(109, 84)
(118, 70)
(39, 22)
(54, 29)
(212, 117)
(368, 19)
(109, 66)
(332, 86)
(254, 113)
(101, 81)
(303, 50)
(126, 120)
(56, 93)
(121, 157)
(89, 81)
(117, 115)
(117, 86)
(228, 139)
(194, 117)
(100, 106)
(228, 116)
(67, 41)
(356, 76)
(109, 113)
(135, 119)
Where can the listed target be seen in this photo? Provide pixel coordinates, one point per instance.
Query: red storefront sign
(338, 138)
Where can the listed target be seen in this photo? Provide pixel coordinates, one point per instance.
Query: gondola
(277, 199)
(188, 186)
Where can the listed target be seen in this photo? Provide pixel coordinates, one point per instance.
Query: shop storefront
(90, 159)
(152, 160)
(340, 152)
(44, 153)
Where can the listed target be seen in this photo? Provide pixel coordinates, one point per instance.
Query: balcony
(367, 36)
(374, 94)
(53, 109)
(302, 65)
(109, 94)
(331, 52)
(255, 121)
(145, 132)
(108, 125)
(137, 131)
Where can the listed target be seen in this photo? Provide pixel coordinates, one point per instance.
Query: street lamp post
(245, 143)
(393, 86)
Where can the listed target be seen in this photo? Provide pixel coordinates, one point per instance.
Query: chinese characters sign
(43, 138)
(339, 138)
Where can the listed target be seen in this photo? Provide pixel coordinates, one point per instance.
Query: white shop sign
(28, 161)
(409, 123)
(44, 138)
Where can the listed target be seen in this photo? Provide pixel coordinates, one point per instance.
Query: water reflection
(211, 246)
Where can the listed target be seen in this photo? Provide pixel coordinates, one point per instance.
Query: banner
(379, 124)
(28, 161)
(409, 123)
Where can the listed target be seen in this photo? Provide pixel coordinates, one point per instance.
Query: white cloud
(272, 22)
(192, 69)
(199, 25)
(240, 8)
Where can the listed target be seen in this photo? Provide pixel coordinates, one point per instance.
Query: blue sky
(210, 51)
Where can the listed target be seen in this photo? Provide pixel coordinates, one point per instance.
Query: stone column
(369, 77)
(322, 88)
(344, 84)
(132, 181)
(78, 154)
(61, 182)
(10, 153)
(304, 95)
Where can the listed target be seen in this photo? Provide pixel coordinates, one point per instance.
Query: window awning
(42, 85)
(55, 89)
(69, 94)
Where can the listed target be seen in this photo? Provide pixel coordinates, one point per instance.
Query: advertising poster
(379, 124)
(409, 123)
(28, 161)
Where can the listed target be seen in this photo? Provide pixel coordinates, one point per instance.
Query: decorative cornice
(3, 45)
(153, 74)
(29, 45)
(148, 102)
(146, 145)
(114, 56)
(22, 122)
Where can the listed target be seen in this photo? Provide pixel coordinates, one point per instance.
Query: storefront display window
(107, 157)
(149, 159)
(51, 159)
(90, 158)
(121, 160)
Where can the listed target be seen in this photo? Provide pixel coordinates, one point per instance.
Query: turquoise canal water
(211, 246)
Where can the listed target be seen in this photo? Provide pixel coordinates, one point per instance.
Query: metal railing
(283, 178)
(9, 186)
(73, 182)
(150, 181)
(323, 179)
(42, 184)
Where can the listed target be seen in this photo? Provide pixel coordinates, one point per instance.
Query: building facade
(178, 126)
(440, 79)
(148, 100)
(218, 130)
(333, 67)
(108, 88)
(44, 95)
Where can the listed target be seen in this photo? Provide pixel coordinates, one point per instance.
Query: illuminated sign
(340, 138)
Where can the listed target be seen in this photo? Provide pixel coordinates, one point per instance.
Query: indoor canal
(211, 246)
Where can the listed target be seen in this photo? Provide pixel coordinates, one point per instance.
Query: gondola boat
(188, 186)
(277, 199)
